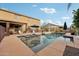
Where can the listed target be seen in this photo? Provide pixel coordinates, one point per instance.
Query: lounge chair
(71, 37)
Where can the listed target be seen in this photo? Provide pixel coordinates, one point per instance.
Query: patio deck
(12, 46)
(58, 47)
(54, 49)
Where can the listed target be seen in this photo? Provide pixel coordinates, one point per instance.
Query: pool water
(38, 42)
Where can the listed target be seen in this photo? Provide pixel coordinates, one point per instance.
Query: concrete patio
(13, 46)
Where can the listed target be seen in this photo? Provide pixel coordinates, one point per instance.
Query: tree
(68, 6)
(65, 26)
(76, 18)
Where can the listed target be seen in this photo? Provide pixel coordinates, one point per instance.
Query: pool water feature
(38, 42)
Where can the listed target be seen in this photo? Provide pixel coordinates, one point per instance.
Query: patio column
(7, 27)
(24, 28)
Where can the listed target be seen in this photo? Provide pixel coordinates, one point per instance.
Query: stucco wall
(7, 16)
(33, 22)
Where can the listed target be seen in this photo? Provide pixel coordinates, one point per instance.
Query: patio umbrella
(2, 32)
(33, 27)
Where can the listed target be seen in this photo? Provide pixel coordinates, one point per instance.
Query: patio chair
(71, 38)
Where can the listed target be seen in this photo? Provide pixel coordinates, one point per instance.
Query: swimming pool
(38, 42)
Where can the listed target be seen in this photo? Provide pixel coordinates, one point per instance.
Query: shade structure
(34, 26)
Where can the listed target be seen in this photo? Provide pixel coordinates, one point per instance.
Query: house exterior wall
(6, 16)
(33, 22)
(57, 29)
(18, 18)
(52, 28)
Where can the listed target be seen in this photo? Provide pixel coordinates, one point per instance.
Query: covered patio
(13, 27)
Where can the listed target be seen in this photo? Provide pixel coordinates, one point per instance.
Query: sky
(55, 13)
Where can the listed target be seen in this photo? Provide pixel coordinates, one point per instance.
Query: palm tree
(68, 6)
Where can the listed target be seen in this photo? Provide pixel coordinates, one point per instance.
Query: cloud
(43, 22)
(34, 5)
(59, 23)
(65, 18)
(48, 10)
(46, 21)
